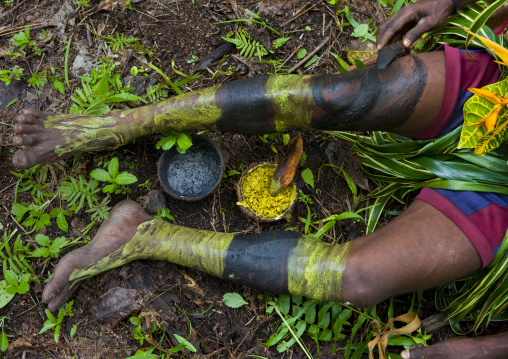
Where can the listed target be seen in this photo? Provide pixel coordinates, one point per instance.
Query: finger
(393, 26)
(423, 26)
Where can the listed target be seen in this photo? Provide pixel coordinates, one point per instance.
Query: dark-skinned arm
(413, 20)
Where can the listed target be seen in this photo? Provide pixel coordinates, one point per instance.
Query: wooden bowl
(249, 212)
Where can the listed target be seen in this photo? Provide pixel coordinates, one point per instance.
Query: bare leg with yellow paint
(403, 99)
(419, 250)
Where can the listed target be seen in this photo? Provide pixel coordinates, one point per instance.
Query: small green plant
(99, 213)
(45, 35)
(135, 70)
(193, 60)
(8, 75)
(128, 5)
(22, 39)
(34, 180)
(49, 249)
(38, 80)
(156, 93)
(146, 185)
(246, 44)
(103, 86)
(278, 65)
(233, 300)
(76, 192)
(270, 138)
(4, 341)
(308, 177)
(322, 321)
(52, 322)
(181, 139)
(16, 283)
(280, 42)
(311, 61)
(82, 3)
(36, 215)
(164, 213)
(301, 54)
(360, 31)
(120, 41)
(118, 180)
(14, 54)
(17, 270)
(138, 331)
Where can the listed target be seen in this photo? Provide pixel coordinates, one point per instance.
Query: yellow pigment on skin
(256, 193)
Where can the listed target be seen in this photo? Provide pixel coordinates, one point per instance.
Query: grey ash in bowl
(194, 174)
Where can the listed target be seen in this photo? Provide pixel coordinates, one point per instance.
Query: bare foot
(30, 131)
(487, 347)
(51, 138)
(118, 230)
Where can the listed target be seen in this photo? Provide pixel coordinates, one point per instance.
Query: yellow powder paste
(256, 193)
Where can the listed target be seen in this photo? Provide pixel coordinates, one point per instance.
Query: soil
(179, 300)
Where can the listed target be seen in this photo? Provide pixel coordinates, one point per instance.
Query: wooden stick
(308, 57)
(20, 28)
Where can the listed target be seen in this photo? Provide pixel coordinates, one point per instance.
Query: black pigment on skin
(260, 260)
(369, 99)
(389, 53)
(246, 110)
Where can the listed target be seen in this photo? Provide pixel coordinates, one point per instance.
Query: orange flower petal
(495, 47)
(491, 118)
(492, 96)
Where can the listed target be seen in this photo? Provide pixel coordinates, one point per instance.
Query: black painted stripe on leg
(246, 109)
(261, 260)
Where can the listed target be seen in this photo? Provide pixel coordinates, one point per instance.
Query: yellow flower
(491, 119)
(495, 47)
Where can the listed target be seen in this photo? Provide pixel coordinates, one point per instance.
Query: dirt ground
(179, 299)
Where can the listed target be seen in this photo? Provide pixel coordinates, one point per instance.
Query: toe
(25, 140)
(28, 120)
(24, 129)
(57, 291)
(24, 159)
(33, 112)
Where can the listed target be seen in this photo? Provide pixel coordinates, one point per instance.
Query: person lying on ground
(442, 236)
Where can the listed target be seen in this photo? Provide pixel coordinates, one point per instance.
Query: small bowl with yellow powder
(254, 196)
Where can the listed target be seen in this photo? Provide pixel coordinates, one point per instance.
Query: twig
(6, 188)
(19, 28)
(290, 56)
(11, 10)
(127, 61)
(301, 12)
(308, 57)
(6, 124)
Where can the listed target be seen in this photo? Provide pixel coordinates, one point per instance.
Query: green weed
(52, 322)
(118, 180)
(4, 341)
(180, 139)
(247, 45)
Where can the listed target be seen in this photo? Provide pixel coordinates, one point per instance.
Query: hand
(412, 21)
